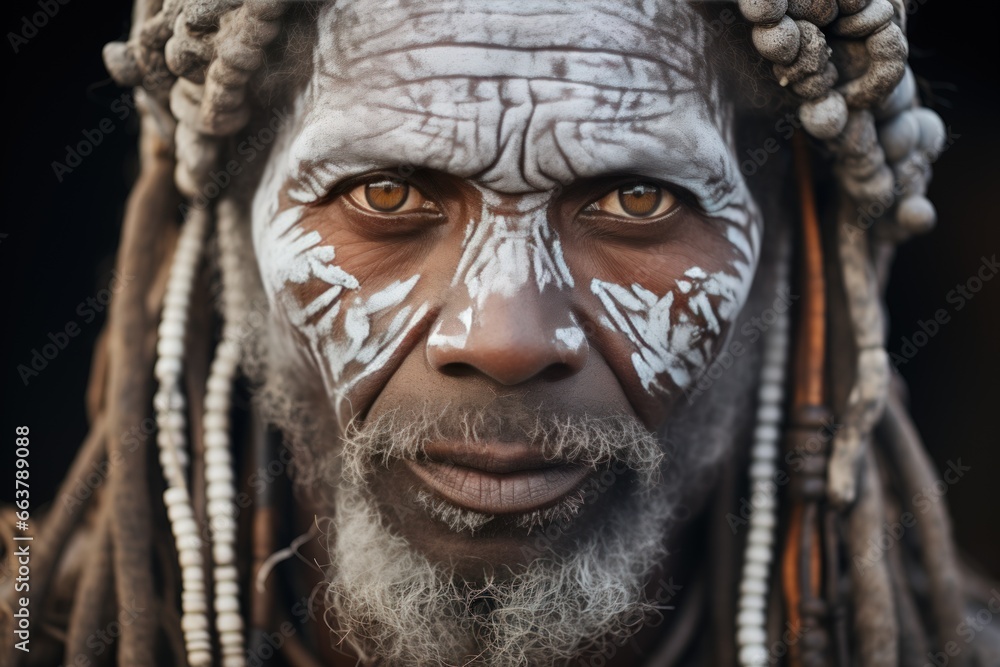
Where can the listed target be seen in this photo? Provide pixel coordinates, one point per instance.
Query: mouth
(496, 477)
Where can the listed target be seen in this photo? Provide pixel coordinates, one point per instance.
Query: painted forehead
(519, 96)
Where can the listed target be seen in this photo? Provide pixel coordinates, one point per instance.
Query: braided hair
(202, 68)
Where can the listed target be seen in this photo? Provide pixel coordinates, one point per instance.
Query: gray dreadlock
(202, 68)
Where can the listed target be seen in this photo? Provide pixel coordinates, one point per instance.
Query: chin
(413, 589)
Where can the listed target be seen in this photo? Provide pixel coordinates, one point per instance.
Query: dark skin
(569, 233)
(512, 355)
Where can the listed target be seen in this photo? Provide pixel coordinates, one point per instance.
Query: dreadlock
(203, 68)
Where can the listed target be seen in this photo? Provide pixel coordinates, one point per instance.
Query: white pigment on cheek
(671, 338)
(290, 255)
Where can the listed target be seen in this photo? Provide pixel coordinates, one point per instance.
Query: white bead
(221, 507)
(750, 617)
(216, 438)
(753, 655)
(216, 420)
(763, 520)
(229, 352)
(174, 496)
(229, 622)
(769, 414)
(170, 347)
(229, 640)
(175, 307)
(771, 393)
(233, 661)
(198, 637)
(166, 368)
(772, 373)
(217, 473)
(189, 543)
(199, 658)
(758, 553)
(227, 588)
(761, 536)
(189, 558)
(222, 524)
(763, 501)
(217, 456)
(752, 601)
(194, 605)
(223, 554)
(194, 622)
(179, 511)
(175, 420)
(765, 450)
(757, 570)
(762, 469)
(166, 400)
(184, 527)
(217, 402)
(170, 329)
(750, 634)
(224, 603)
(192, 575)
(219, 384)
(227, 573)
(218, 490)
(168, 438)
(753, 586)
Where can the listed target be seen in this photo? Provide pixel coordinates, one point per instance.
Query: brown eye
(390, 195)
(640, 200)
(636, 200)
(387, 195)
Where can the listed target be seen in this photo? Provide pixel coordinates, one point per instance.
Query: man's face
(488, 227)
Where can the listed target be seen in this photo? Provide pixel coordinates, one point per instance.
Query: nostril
(457, 369)
(556, 372)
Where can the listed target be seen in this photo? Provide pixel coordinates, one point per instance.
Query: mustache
(588, 440)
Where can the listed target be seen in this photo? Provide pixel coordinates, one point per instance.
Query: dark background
(60, 237)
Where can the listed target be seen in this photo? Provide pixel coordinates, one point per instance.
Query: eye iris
(640, 200)
(386, 195)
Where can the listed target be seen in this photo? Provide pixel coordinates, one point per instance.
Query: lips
(496, 477)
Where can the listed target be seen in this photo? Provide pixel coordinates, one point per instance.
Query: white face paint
(519, 100)
(670, 336)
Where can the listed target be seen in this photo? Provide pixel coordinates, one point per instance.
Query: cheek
(665, 316)
(351, 326)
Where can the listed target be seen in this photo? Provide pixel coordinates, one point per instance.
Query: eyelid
(348, 188)
(669, 195)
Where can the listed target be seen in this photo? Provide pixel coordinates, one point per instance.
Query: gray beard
(388, 601)
(391, 602)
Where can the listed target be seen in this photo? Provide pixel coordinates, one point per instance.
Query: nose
(510, 339)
